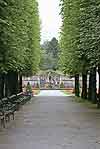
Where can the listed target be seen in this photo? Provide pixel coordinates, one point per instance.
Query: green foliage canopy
(80, 35)
(49, 55)
(19, 36)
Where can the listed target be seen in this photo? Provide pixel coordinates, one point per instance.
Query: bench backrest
(19, 95)
(12, 98)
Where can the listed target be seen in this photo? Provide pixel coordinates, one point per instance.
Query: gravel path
(53, 123)
(51, 93)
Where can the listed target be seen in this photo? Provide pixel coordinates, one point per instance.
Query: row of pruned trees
(19, 43)
(80, 43)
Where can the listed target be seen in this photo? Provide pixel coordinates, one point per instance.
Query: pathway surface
(51, 93)
(53, 123)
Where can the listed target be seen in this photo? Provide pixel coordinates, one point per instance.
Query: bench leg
(7, 118)
(18, 107)
(3, 122)
(13, 115)
(98, 105)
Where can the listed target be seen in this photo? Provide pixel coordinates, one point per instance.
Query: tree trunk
(11, 83)
(99, 83)
(77, 92)
(1, 86)
(84, 86)
(20, 83)
(6, 86)
(92, 86)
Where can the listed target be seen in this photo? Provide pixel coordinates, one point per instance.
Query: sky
(50, 19)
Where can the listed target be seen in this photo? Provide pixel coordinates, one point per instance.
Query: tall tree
(49, 55)
(19, 42)
(80, 38)
(69, 41)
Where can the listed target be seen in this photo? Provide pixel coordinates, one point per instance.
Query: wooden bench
(23, 97)
(2, 118)
(20, 98)
(8, 109)
(9, 105)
